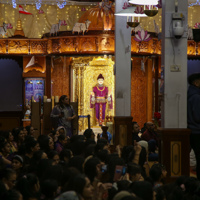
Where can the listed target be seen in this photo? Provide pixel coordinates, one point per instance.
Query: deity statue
(98, 99)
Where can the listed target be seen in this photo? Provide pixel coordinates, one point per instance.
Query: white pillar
(122, 63)
(174, 52)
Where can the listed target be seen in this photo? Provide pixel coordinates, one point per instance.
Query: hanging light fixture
(144, 2)
(133, 14)
(150, 8)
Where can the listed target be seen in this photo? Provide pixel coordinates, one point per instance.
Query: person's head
(25, 131)
(100, 79)
(157, 172)
(17, 162)
(46, 143)
(18, 134)
(194, 79)
(88, 133)
(8, 177)
(53, 155)
(60, 130)
(37, 156)
(64, 100)
(54, 134)
(32, 145)
(135, 127)
(77, 162)
(134, 171)
(142, 189)
(66, 155)
(49, 188)
(62, 139)
(5, 148)
(82, 185)
(150, 126)
(92, 169)
(30, 130)
(8, 136)
(28, 185)
(123, 185)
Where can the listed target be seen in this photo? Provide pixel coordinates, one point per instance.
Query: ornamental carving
(2, 46)
(55, 46)
(38, 47)
(18, 46)
(191, 48)
(87, 44)
(68, 45)
(107, 44)
(143, 47)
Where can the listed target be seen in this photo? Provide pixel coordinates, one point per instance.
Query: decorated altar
(85, 73)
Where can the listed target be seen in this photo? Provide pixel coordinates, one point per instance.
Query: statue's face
(100, 81)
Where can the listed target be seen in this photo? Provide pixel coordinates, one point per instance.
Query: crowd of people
(63, 166)
(59, 167)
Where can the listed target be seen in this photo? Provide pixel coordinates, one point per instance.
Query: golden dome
(101, 17)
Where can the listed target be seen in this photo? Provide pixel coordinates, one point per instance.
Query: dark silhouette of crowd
(57, 167)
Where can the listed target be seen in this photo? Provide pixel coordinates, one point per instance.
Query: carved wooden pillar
(48, 77)
(123, 130)
(174, 151)
(149, 90)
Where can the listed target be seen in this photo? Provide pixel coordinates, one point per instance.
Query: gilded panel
(138, 93)
(18, 46)
(87, 44)
(175, 158)
(107, 44)
(38, 47)
(191, 48)
(68, 45)
(2, 46)
(56, 46)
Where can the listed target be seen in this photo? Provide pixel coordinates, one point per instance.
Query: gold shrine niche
(85, 73)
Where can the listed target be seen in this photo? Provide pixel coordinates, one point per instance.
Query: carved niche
(38, 47)
(68, 45)
(18, 46)
(107, 44)
(56, 46)
(87, 44)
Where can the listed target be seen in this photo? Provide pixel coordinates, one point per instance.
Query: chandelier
(150, 8)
